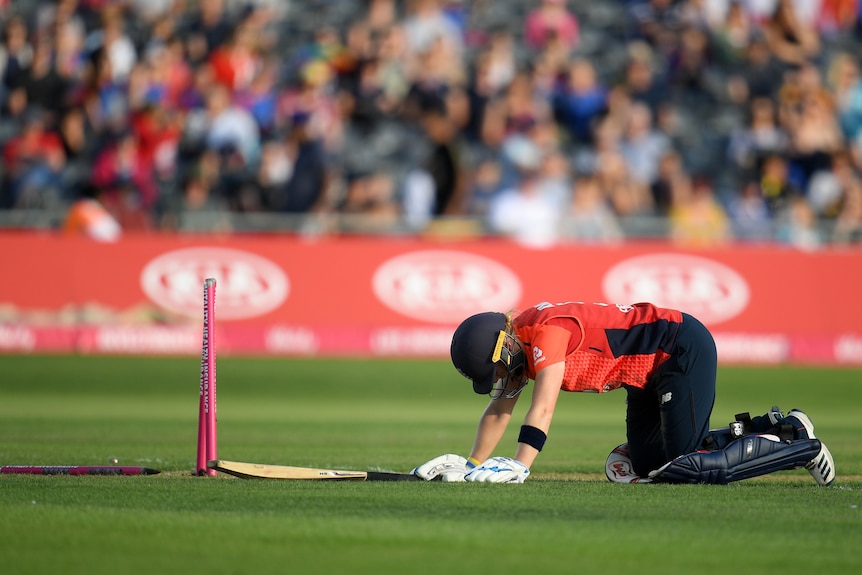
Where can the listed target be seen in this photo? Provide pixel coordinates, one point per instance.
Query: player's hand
(450, 467)
(499, 470)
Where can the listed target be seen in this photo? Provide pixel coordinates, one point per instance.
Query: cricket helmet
(479, 344)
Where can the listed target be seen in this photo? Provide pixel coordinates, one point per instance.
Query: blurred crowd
(545, 120)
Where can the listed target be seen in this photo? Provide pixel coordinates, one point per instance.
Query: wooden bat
(265, 471)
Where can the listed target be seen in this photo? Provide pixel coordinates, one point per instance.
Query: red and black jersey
(604, 346)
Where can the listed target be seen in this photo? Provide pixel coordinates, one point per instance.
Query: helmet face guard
(508, 356)
(485, 354)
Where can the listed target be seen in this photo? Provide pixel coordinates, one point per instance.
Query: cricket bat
(265, 471)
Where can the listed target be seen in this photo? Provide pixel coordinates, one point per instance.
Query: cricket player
(664, 359)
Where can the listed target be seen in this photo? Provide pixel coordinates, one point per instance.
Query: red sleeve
(546, 345)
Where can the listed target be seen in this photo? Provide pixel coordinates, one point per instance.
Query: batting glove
(451, 468)
(499, 470)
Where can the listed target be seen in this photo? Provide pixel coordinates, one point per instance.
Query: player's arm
(545, 394)
(492, 425)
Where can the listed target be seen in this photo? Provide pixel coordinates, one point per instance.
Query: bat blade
(265, 471)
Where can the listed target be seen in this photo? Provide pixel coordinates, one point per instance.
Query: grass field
(391, 415)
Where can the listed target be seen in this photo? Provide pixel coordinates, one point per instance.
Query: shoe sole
(822, 467)
(805, 421)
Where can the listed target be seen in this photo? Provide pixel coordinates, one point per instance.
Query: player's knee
(645, 460)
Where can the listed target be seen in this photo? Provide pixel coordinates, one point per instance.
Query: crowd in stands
(545, 120)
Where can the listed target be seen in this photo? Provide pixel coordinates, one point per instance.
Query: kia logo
(247, 285)
(445, 286)
(704, 288)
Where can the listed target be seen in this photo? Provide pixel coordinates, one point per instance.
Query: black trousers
(670, 415)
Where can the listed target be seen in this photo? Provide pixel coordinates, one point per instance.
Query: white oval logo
(445, 286)
(706, 289)
(247, 285)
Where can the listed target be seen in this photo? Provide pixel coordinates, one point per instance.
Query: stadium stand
(701, 121)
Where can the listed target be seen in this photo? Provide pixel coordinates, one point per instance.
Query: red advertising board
(292, 295)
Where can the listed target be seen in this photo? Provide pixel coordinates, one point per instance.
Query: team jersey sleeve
(549, 344)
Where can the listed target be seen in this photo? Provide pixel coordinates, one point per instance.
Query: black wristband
(532, 436)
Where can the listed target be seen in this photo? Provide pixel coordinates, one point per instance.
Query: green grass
(393, 415)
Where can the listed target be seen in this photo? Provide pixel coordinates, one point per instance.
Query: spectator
(487, 182)
(417, 199)
(692, 69)
(657, 22)
(642, 146)
(45, 87)
(589, 218)
(276, 169)
(521, 107)
(750, 216)
(551, 20)
(236, 62)
(759, 75)
(393, 69)
(123, 171)
(381, 15)
(305, 191)
(426, 24)
(501, 60)
(88, 217)
(369, 204)
(446, 162)
(16, 52)
(33, 163)
(761, 136)
(171, 74)
(260, 99)
(524, 212)
(68, 39)
(837, 16)
(224, 125)
(626, 196)
(314, 95)
(437, 74)
(370, 104)
(775, 183)
(197, 207)
(641, 79)
(208, 28)
(845, 81)
(792, 40)
(111, 38)
(192, 96)
(581, 101)
(105, 99)
(848, 224)
(809, 115)
(699, 220)
(79, 146)
(482, 89)
(733, 34)
(672, 183)
(829, 187)
(797, 226)
(141, 90)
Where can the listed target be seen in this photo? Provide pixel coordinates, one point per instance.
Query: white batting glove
(450, 466)
(499, 470)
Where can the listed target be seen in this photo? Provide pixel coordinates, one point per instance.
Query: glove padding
(450, 467)
(499, 470)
